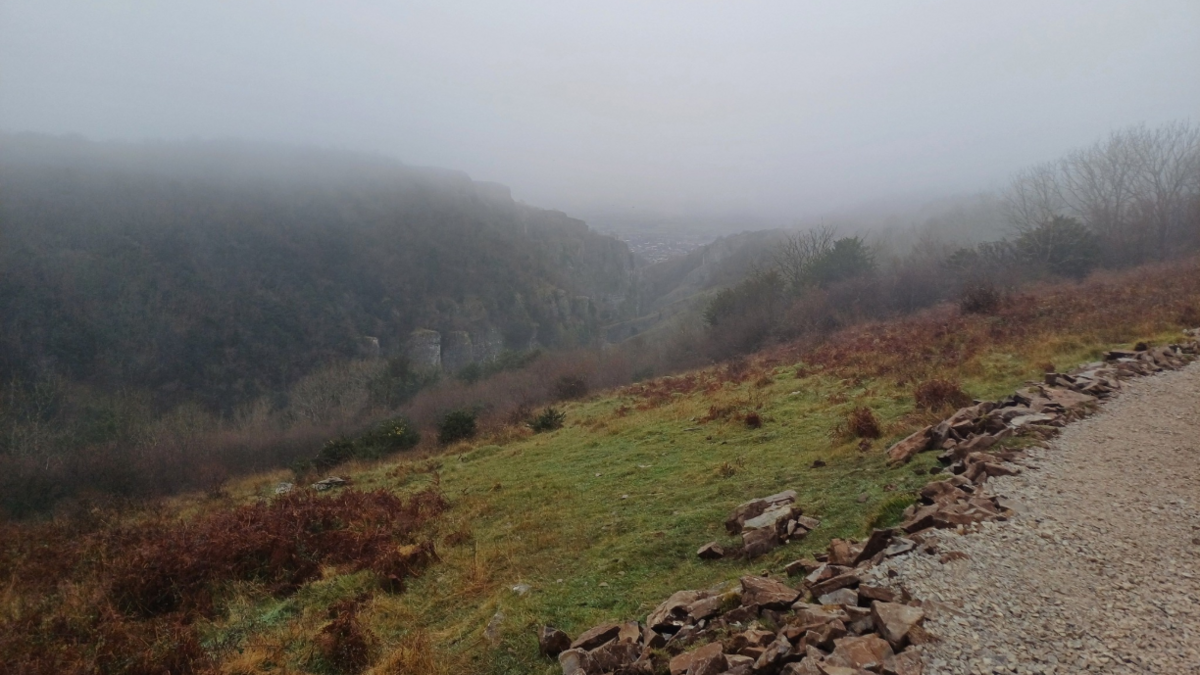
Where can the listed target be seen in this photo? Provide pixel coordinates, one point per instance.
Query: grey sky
(775, 108)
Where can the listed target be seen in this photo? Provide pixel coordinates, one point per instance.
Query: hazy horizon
(769, 110)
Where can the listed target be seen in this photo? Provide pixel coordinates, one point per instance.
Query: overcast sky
(772, 108)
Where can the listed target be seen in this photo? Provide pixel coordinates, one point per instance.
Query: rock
(894, 621)
(808, 523)
(825, 635)
(811, 615)
(756, 507)
(284, 488)
(750, 638)
(774, 519)
(631, 632)
(672, 613)
(492, 630)
(703, 608)
(758, 542)
(773, 655)
(842, 596)
(848, 580)
(805, 667)
(573, 660)
(680, 663)
(801, 567)
(521, 589)
(880, 593)
(736, 661)
(899, 546)
(330, 483)
(612, 656)
(597, 636)
(652, 639)
(711, 551)
(708, 660)
(868, 652)
(909, 447)
(841, 552)
(743, 614)
(767, 593)
(876, 543)
(552, 641)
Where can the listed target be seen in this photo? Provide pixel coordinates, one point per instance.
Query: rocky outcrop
(424, 348)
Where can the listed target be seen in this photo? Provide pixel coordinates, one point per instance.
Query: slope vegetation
(601, 519)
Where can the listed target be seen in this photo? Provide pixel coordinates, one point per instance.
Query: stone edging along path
(850, 615)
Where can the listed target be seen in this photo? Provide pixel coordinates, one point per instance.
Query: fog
(616, 109)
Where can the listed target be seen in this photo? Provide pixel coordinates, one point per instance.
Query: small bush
(548, 420)
(753, 420)
(980, 298)
(334, 452)
(458, 425)
(862, 423)
(940, 394)
(568, 387)
(387, 437)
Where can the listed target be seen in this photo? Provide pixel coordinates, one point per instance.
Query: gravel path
(1100, 570)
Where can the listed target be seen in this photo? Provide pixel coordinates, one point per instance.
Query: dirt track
(1100, 569)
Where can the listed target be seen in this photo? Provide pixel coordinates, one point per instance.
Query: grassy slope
(603, 517)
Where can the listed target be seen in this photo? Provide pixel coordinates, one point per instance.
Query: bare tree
(1134, 189)
(795, 258)
(1168, 180)
(1034, 197)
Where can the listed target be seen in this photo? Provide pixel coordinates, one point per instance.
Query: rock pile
(1041, 408)
(765, 524)
(831, 624)
(969, 437)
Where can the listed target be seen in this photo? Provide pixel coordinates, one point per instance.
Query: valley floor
(1100, 570)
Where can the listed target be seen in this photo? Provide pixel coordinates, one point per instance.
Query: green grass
(603, 517)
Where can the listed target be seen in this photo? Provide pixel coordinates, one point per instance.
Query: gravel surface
(1100, 570)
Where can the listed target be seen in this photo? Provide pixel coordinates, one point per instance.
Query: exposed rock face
(487, 346)
(424, 348)
(457, 351)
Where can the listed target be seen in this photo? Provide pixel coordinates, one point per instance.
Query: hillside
(597, 521)
(222, 272)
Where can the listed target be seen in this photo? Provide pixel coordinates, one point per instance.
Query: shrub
(1062, 246)
(389, 436)
(862, 423)
(334, 452)
(458, 425)
(548, 420)
(979, 298)
(753, 420)
(939, 394)
(168, 567)
(568, 387)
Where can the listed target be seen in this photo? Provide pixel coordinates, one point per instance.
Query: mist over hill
(221, 271)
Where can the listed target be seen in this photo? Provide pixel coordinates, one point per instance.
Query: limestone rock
(597, 636)
(552, 641)
(894, 621)
(755, 508)
(767, 593)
